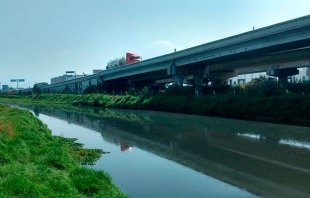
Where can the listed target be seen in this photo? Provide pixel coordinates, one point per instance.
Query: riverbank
(286, 109)
(33, 163)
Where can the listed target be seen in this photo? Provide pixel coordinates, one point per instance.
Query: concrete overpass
(265, 49)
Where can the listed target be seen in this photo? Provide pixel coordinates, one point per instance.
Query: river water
(158, 154)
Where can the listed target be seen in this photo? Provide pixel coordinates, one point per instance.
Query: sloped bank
(33, 163)
(287, 109)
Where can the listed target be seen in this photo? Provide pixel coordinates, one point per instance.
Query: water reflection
(125, 146)
(265, 159)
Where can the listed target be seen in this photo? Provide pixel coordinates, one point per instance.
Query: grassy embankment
(288, 109)
(33, 163)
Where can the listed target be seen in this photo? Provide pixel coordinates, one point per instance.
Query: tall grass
(288, 109)
(33, 163)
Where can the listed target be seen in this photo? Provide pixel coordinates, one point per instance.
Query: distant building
(5, 87)
(70, 87)
(64, 78)
(304, 75)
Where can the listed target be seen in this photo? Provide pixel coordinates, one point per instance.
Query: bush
(298, 88)
(253, 87)
(264, 86)
(90, 89)
(239, 89)
(271, 88)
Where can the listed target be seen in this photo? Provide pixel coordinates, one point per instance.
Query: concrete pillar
(282, 74)
(75, 88)
(178, 80)
(172, 70)
(198, 85)
(80, 87)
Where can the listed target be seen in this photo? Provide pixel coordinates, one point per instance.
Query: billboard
(17, 80)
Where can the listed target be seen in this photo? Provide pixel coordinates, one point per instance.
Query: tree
(254, 86)
(37, 86)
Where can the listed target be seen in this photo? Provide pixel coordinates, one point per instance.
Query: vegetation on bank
(288, 109)
(262, 99)
(33, 163)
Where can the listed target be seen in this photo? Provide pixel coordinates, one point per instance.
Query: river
(159, 154)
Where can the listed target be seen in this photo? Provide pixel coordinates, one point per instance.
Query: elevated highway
(275, 49)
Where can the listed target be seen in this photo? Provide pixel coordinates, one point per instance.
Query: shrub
(239, 89)
(90, 89)
(298, 88)
(271, 88)
(253, 87)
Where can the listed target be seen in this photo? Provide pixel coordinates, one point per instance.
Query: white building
(65, 77)
(304, 75)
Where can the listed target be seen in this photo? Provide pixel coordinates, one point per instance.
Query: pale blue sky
(41, 39)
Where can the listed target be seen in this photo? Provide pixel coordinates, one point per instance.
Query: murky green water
(157, 154)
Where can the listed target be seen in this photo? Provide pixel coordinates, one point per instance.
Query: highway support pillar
(282, 74)
(177, 76)
(76, 89)
(198, 84)
(178, 80)
(67, 89)
(179, 73)
(80, 87)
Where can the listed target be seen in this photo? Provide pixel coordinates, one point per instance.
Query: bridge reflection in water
(266, 159)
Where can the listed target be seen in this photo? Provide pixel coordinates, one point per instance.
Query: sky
(42, 39)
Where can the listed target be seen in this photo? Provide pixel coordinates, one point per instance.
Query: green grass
(33, 163)
(288, 109)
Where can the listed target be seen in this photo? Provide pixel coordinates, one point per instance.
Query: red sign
(95, 71)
